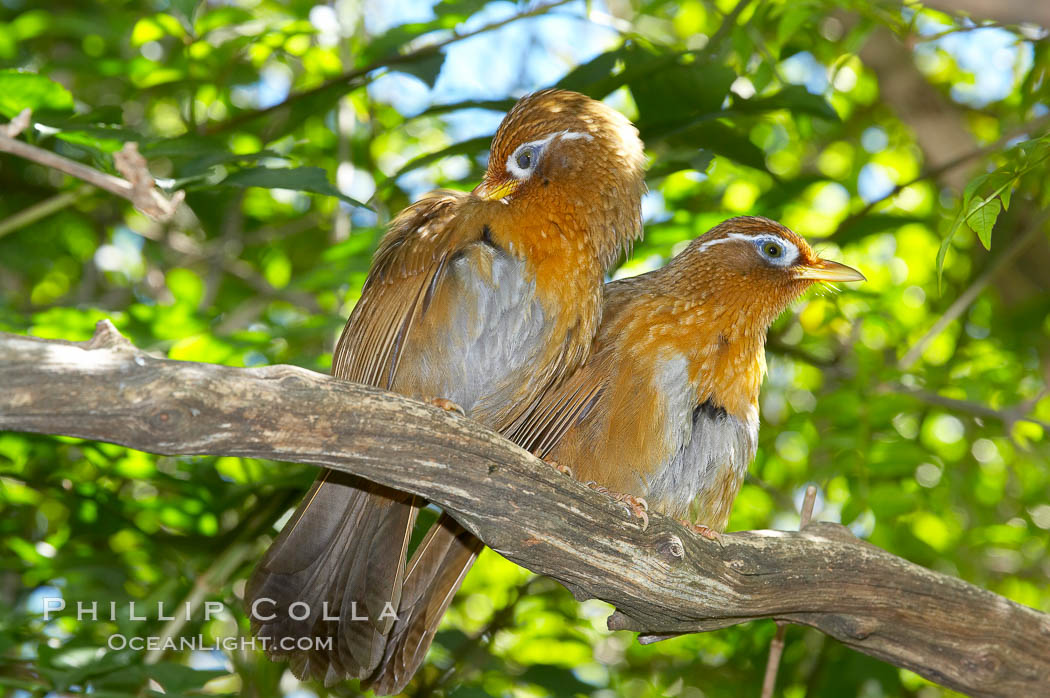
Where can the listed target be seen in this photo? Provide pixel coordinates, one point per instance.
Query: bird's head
(562, 152)
(758, 266)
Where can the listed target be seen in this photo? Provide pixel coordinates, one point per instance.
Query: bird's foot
(445, 404)
(704, 531)
(636, 506)
(563, 469)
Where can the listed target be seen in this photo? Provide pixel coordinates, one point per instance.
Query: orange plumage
(666, 408)
(485, 299)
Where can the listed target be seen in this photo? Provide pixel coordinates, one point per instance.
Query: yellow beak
(826, 270)
(490, 190)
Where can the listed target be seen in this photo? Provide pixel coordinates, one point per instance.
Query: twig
(212, 579)
(923, 38)
(239, 268)
(349, 77)
(18, 124)
(139, 188)
(970, 294)
(42, 209)
(1008, 415)
(500, 619)
(938, 170)
(776, 645)
(807, 506)
(728, 22)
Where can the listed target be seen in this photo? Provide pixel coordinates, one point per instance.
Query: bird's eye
(772, 249)
(525, 158)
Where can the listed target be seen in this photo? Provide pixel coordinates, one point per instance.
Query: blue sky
(536, 52)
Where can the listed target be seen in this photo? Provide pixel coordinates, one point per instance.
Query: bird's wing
(563, 408)
(408, 266)
(558, 411)
(347, 541)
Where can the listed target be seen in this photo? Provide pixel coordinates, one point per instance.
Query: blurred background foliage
(907, 140)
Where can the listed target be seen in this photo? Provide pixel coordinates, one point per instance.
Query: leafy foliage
(281, 120)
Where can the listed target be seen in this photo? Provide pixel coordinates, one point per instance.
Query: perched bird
(478, 301)
(664, 414)
(666, 408)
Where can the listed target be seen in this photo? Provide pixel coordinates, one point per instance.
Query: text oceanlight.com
(224, 644)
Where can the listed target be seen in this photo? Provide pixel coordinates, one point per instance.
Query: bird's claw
(636, 506)
(445, 404)
(563, 469)
(705, 532)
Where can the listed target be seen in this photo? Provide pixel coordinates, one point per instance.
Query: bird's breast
(709, 450)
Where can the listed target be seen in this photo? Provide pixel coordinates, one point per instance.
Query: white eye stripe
(789, 257)
(538, 145)
(728, 238)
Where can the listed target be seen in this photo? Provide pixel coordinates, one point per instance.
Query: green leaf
(795, 98)
(971, 188)
(862, 227)
(942, 251)
(30, 24)
(791, 21)
(309, 179)
(461, 9)
(426, 67)
(220, 17)
(178, 678)
(390, 45)
(19, 90)
(982, 219)
(680, 93)
(585, 76)
(472, 146)
(557, 680)
(676, 161)
(500, 105)
(714, 136)
(187, 8)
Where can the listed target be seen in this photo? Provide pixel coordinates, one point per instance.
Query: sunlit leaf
(308, 179)
(982, 220)
(20, 90)
(795, 98)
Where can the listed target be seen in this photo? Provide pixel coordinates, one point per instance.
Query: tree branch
(663, 580)
(933, 173)
(957, 308)
(776, 646)
(42, 209)
(138, 186)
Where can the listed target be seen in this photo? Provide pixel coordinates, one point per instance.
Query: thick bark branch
(662, 581)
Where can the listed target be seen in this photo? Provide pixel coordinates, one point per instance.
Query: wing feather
(559, 410)
(408, 267)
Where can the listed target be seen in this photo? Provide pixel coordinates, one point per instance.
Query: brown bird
(664, 414)
(666, 408)
(480, 300)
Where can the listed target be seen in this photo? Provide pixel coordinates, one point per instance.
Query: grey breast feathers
(712, 454)
(492, 336)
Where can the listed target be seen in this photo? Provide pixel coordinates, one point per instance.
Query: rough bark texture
(663, 580)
